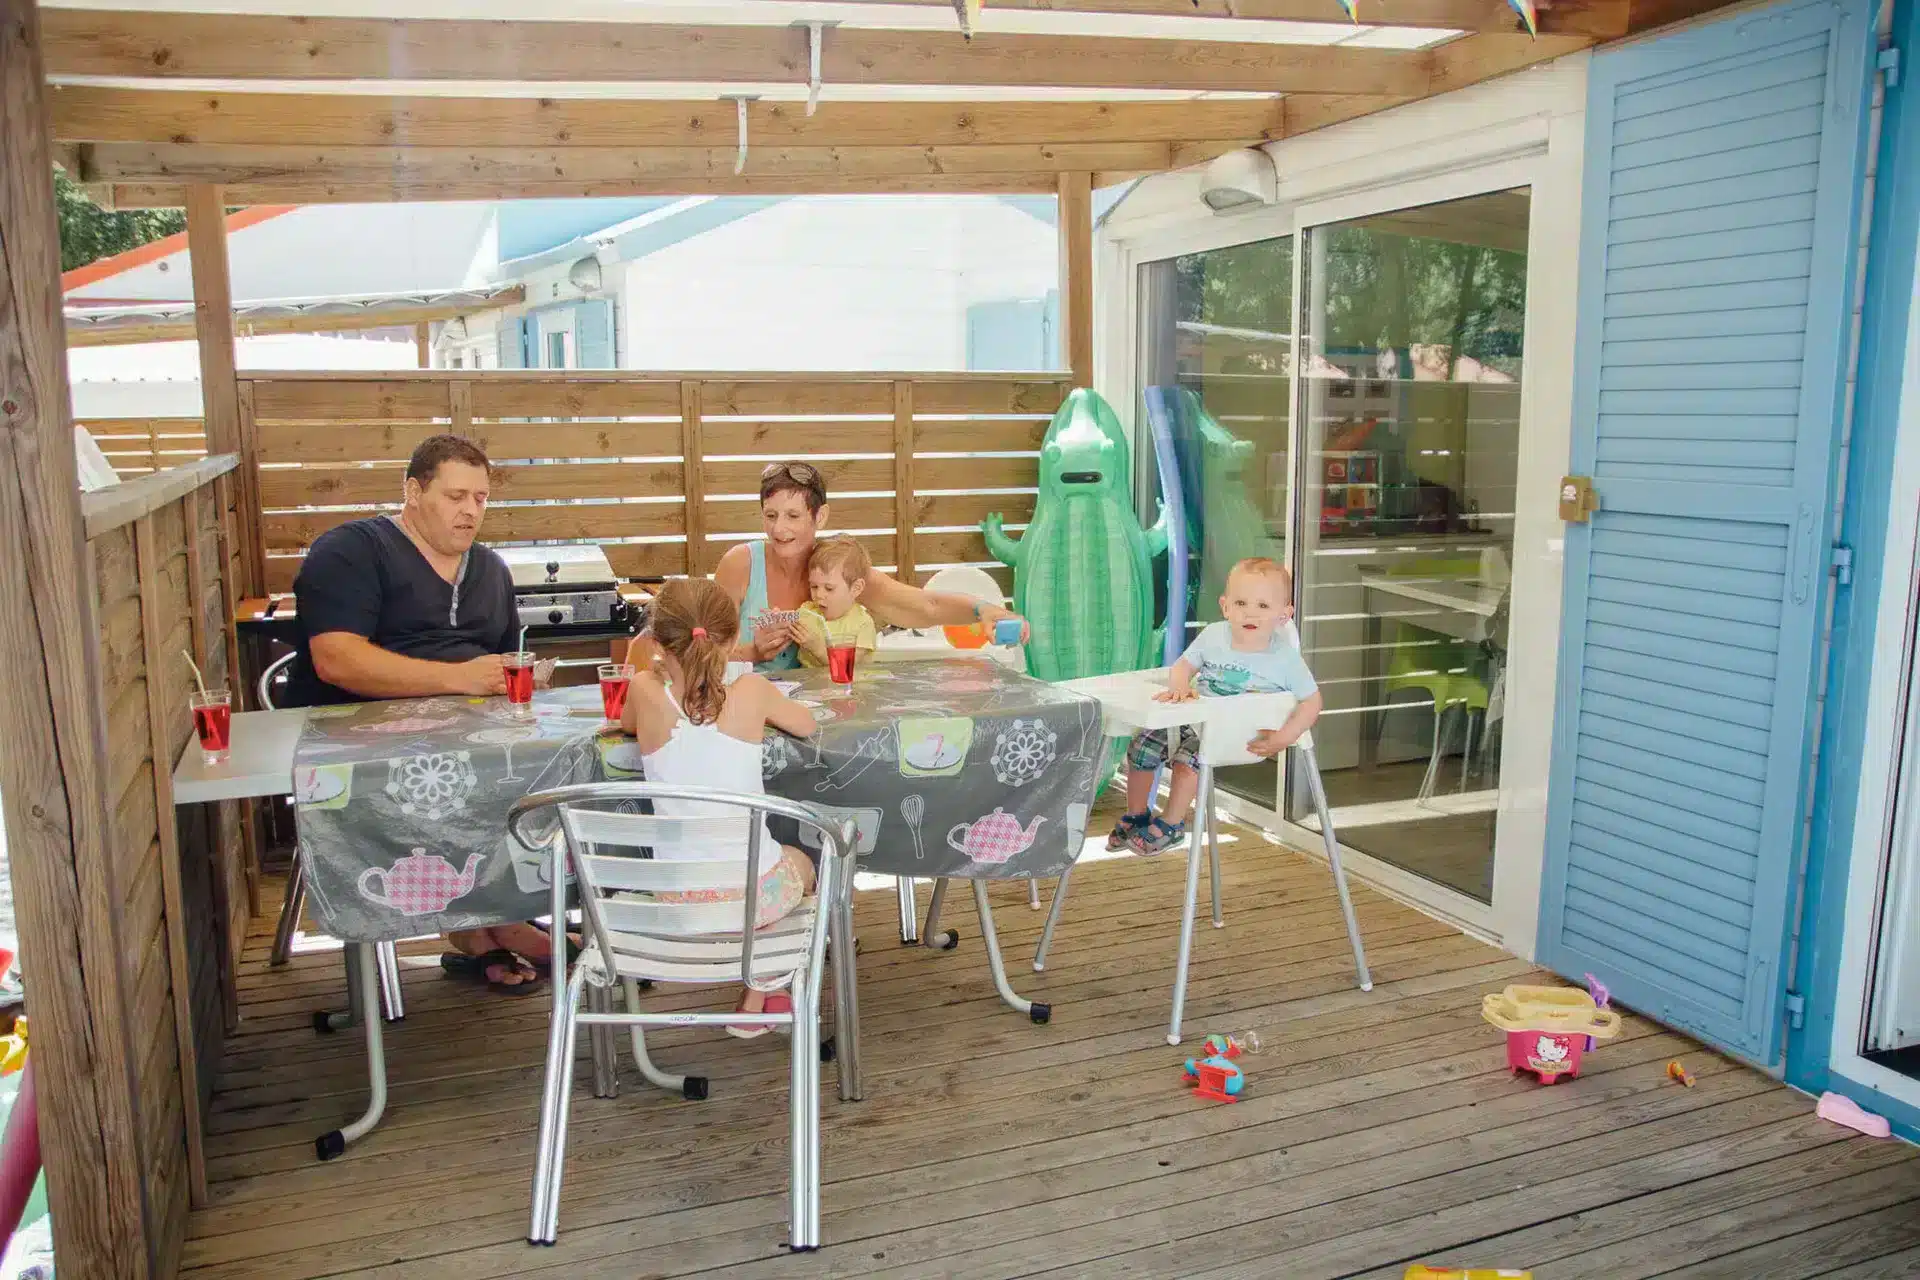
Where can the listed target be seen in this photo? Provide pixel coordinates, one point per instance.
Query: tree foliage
(89, 233)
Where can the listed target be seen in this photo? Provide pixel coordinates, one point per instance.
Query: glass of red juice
(519, 672)
(213, 721)
(615, 679)
(840, 663)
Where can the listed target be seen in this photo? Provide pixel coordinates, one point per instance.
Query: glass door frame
(1546, 400)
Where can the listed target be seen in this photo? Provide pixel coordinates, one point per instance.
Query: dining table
(945, 768)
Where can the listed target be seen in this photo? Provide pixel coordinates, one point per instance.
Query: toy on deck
(1677, 1072)
(1601, 998)
(1420, 1271)
(1217, 1075)
(1839, 1109)
(1548, 1028)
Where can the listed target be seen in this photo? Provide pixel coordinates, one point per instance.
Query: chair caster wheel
(827, 1051)
(329, 1145)
(322, 1023)
(694, 1088)
(1041, 1013)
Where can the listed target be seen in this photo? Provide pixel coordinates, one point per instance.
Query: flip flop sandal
(458, 964)
(777, 1002)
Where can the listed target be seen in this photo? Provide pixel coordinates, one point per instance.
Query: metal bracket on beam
(816, 37)
(740, 101)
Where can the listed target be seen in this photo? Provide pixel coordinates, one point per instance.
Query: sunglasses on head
(798, 472)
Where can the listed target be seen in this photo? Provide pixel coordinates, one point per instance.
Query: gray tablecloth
(948, 768)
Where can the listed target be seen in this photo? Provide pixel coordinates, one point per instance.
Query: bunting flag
(969, 11)
(1528, 14)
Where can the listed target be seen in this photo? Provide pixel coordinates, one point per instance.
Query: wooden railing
(662, 470)
(136, 446)
(183, 880)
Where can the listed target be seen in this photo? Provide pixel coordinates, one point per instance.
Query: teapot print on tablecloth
(993, 838)
(420, 884)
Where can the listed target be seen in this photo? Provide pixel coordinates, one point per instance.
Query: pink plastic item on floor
(1843, 1110)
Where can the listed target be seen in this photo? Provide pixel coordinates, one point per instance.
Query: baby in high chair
(695, 727)
(1248, 651)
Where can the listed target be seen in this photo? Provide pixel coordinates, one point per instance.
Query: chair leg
(1333, 860)
(1187, 910)
(563, 1103)
(559, 1077)
(290, 910)
(846, 989)
(1433, 758)
(802, 1169)
(393, 1001)
(933, 936)
(1466, 756)
(1213, 856)
(1033, 893)
(1053, 918)
(909, 911)
(693, 1088)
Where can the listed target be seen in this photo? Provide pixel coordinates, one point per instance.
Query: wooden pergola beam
(1590, 17)
(88, 113)
(253, 47)
(319, 191)
(513, 168)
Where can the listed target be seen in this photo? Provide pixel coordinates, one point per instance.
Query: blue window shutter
(593, 333)
(1719, 208)
(513, 342)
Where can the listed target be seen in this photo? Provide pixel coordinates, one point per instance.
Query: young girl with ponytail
(696, 729)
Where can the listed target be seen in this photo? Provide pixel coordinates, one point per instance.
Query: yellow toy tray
(1562, 1009)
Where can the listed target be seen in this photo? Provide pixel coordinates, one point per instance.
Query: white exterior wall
(833, 283)
(1526, 129)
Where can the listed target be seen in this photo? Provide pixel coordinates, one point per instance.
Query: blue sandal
(1130, 825)
(1157, 837)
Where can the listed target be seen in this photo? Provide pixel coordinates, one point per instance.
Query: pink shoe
(1843, 1110)
(777, 1002)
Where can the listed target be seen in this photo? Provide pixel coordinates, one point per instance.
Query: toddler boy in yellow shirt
(836, 575)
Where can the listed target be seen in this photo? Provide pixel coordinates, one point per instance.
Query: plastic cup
(212, 721)
(519, 672)
(615, 679)
(1006, 631)
(840, 663)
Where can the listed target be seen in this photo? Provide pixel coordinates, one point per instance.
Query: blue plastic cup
(1006, 631)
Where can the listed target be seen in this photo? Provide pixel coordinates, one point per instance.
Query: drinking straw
(197, 678)
(523, 641)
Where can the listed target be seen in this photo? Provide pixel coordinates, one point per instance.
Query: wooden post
(213, 327)
(423, 344)
(229, 595)
(252, 543)
(693, 483)
(460, 407)
(52, 772)
(905, 509)
(159, 715)
(1076, 276)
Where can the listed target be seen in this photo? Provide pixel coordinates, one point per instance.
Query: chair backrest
(963, 580)
(700, 840)
(274, 668)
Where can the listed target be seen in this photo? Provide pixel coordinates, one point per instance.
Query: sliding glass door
(1216, 366)
(1412, 328)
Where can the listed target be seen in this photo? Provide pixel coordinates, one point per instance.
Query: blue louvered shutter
(593, 333)
(1718, 210)
(513, 342)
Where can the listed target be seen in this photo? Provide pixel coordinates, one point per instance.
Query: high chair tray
(1128, 706)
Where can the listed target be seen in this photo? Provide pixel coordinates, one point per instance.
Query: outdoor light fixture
(1240, 180)
(584, 275)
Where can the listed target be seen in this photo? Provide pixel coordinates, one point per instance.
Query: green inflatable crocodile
(1082, 574)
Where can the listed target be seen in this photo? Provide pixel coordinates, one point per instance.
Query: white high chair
(1226, 725)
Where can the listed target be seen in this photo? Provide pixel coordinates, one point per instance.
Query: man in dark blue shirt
(410, 606)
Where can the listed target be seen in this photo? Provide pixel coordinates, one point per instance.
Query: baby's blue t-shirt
(1221, 670)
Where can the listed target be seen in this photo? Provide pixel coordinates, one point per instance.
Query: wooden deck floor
(1377, 1128)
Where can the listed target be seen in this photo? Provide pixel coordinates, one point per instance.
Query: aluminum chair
(1223, 742)
(386, 959)
(631, 937)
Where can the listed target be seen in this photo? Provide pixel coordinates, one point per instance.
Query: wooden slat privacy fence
(183, 880)
(136, 446)
(653, 465)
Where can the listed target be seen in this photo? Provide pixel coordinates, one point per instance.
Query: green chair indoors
(1439, 666)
